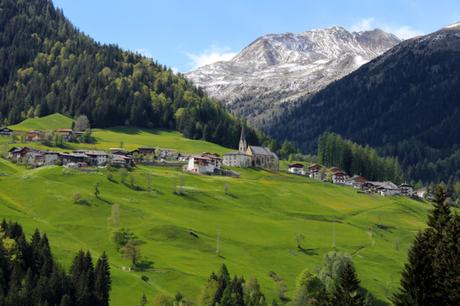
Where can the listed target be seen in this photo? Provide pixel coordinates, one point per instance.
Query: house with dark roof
(18, 153)
(356, 181)
(73, 158)
(339, 177)
(296, 168)
(5, 131)
(386, 188)
(407, 190)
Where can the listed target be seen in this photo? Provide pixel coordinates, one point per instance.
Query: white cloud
(210, 56)
(403, 32)
(365, 24)
(145, 52)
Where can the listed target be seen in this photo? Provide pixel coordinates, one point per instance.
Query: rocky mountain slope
(405, 102)
(279, 68)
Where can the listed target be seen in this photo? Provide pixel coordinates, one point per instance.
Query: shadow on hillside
(231, 195)
(308, 252)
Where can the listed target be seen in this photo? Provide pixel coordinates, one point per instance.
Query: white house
(317, 175)
(202, 164)
(237, 159)
(298, 169)
(383, 188)
(339, 177)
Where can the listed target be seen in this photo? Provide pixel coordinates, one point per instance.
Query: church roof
(261, 151)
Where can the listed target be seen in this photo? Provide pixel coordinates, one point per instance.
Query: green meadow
(128, 137)
(254, 219)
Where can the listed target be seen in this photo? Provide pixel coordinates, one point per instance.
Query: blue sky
(184, 34)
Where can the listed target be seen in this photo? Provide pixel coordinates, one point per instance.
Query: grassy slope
(131, 137)
(51, 122)
(258, 221)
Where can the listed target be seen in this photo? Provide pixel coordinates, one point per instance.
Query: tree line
(333, 150)
(48, 66)
(30, 276)
(432, 274)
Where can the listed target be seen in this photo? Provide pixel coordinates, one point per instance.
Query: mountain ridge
(276, 69)
(403, 102)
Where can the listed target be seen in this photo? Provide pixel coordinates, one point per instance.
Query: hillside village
(247, 156)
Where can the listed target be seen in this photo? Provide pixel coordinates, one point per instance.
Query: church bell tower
(243, 145)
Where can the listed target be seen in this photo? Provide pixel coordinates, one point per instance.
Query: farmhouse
(50, 158)
(18, 153)
(339, 177)
(317, 175)
(35, 135)
(5, 131)
(121, 161)
(96, 158)
(119, 151)
(35, 158)
(356, 181)
(383, 188)
(314, 172)
(144, 152)
(67, 134)
(168, 154)
(202, 165)
(407, 190)
(314, 168)
(298, 169)
(73, 158)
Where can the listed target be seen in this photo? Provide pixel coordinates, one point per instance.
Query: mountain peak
(276, 68)
(453, 26)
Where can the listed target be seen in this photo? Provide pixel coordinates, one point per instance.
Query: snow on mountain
(278, 68)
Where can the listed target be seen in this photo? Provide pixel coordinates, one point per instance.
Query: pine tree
(224, 281)
(347, 290)
(417, 280)
(103, 281)
(144, 300)
(425, 277)
(441, 214)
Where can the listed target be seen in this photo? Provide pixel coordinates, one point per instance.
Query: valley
(256, 218)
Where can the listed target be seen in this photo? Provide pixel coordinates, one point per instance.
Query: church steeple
(243, 144)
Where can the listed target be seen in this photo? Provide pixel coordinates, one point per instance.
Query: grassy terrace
(257, 219)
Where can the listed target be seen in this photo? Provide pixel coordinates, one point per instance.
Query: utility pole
(333, 234)
(218, 243)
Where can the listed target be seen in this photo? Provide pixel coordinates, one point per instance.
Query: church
(251, 156)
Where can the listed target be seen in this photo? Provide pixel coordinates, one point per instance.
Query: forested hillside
(333, 150)
(48, 66)
(404, 103)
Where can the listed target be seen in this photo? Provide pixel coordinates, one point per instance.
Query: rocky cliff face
(278, 68)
